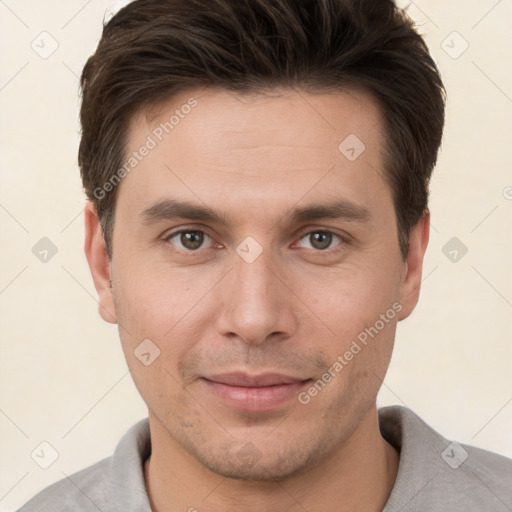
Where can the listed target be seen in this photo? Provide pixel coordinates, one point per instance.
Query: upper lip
(245, 380)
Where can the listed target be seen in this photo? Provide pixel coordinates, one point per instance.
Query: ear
(413, 266)
(97, 257)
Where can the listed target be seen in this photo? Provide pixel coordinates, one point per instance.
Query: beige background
(63, 376)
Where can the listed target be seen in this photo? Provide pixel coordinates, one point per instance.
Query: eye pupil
(321, 240)
(192, 239)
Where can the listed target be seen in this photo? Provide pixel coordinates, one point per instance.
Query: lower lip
(255, 398)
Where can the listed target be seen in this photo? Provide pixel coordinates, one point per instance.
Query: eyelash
(342, 240)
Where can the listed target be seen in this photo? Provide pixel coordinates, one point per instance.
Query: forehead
(260, 147)
(280, 117)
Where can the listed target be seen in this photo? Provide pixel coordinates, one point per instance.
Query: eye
(320, 240)
(189, 240)
(192, 240)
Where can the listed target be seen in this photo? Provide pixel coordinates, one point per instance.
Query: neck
(358, 476)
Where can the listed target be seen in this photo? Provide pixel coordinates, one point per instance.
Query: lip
(261, 392)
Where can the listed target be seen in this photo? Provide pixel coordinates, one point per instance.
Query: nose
(256, 303)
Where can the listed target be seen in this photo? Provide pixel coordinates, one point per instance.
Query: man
(257, 178)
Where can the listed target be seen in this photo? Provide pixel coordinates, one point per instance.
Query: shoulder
(438, 474)
(114, 483)
(84, 491)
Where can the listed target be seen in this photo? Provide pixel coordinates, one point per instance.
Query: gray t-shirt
(434, 474)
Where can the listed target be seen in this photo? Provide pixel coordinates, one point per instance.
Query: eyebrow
(171, 209)
(340, 209)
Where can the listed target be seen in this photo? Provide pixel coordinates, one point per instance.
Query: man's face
(251, 307)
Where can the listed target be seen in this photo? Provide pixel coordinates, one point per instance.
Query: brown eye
(319, 240)
(189, 240)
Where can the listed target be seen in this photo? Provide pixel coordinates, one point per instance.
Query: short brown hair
(153, 49)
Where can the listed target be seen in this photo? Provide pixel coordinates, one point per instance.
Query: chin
(245, 461)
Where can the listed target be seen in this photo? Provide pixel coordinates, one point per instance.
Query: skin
(293, 310)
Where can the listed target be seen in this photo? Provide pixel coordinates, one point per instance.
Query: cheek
(353, 299)
(153, 301)
(146, 318)
(361, 310)
(167, 307)
(356, 367)
(151, 313)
